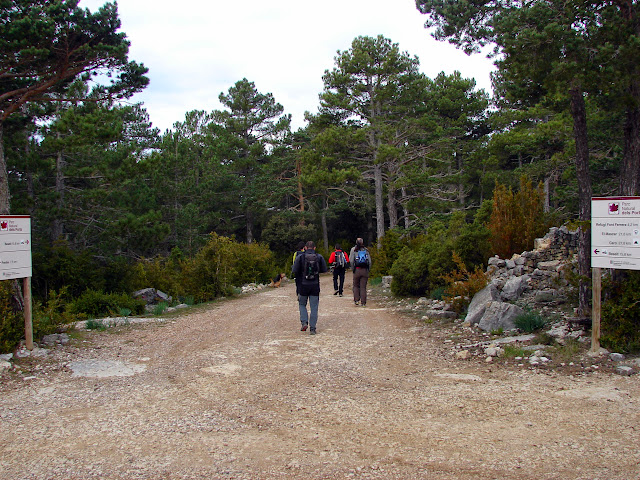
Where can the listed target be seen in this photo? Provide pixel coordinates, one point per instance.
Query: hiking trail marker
(15, 261)
(615, 243)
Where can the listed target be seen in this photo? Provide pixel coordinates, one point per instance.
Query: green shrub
(94, 303)
(11, 319)
(50, 316)
(530, 321)
(223, 264)
(620, 325)
(411, 274)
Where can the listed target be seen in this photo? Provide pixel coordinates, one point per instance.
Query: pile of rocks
(539, 278)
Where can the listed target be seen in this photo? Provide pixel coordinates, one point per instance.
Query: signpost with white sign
(615, 232)
(15, 261)
(615, 243)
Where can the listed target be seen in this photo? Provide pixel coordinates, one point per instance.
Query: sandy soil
(236, 390)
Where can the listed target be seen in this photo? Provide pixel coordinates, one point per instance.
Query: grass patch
(160, 308)
(530, 321)
(568, 352)
(512, 351)
(93, 324)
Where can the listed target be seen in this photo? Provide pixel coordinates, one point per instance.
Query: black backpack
(311, 268)
(341, 262)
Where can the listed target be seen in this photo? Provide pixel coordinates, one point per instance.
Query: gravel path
(237, 391)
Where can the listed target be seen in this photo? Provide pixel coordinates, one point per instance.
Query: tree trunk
(5, 198)
(547, 190)
(392, 207)
(578, 112)
(300, 193)
(377, 173)
(323, 219)
(405, 210)
(630, 172)
(249, 227)
(57, 228)
(461, 195)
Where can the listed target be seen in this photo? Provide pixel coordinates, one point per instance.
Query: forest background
(435, 174)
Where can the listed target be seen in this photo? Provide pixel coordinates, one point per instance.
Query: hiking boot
(364, 305)
(340, 294)
(336, 292)
(357, 302)
(304, 327)
(312, 332)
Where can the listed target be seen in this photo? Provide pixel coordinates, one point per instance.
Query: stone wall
(546, 266)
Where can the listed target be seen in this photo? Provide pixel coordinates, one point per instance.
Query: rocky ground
(235, 390)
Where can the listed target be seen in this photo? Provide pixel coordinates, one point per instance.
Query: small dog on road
(275, 283)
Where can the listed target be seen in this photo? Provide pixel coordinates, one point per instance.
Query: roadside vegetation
(436, 175)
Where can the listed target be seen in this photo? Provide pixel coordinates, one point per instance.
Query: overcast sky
(197, 49)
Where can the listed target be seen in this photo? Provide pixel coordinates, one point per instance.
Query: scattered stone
(463, 355)
(6, 356)
(55, 339)
(441, 314)
(104, 368)
(4, 365)
(493, 351)
(616, 357)
(624, 370)
(386, 281)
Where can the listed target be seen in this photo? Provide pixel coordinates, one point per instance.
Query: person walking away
(360, 261)
(298, 278)
(309, 265)
(339, 260)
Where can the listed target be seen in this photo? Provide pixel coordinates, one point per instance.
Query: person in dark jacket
(308, 266)
(360, 261)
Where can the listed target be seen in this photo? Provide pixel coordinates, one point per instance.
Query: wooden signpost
(15, 262)
(615, 243)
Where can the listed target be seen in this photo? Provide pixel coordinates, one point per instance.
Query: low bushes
(620, 327)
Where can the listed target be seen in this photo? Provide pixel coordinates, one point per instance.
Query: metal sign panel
(615, 232)
(15, 247)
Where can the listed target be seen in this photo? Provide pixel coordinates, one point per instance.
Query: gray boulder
(479, 303)
(152, 296)
(514, 287)
(499, 315)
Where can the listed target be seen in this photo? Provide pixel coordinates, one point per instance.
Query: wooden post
(28, 320)
(596, 278)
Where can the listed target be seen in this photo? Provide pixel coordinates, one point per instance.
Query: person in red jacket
(339, 259)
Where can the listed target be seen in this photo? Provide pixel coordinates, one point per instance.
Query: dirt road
(238, 391)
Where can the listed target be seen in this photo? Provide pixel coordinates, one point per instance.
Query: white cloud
(197, 49)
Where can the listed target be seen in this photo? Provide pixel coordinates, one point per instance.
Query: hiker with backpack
(339, 260)
(299, 251)
(308, 266)
(360, 261)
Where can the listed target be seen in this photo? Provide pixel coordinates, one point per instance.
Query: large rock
(479, 303)
(152, 296)
(514, 287)
(499, 315)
